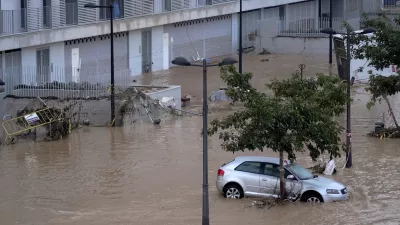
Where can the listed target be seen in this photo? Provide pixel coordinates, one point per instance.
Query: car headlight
(332, 191)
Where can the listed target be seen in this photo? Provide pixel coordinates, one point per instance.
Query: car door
(249, 174)
(293, 186)
(269, 180)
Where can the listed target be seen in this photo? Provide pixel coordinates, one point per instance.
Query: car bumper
(335, 198)
(220, 186)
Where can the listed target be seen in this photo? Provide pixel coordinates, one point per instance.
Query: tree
(381, 87)
(300, 114)
(381, 50)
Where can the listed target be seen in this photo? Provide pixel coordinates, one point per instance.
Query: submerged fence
(63, 82)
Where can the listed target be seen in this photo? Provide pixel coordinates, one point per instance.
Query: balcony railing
(71, 14)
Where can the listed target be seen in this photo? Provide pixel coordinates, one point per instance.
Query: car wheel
(313, 198)
(233, 191)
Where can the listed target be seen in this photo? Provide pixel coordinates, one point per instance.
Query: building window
(71, 12)
(167, 5)
(118, 9)
(281, 12)
(23, 15)
(47, 13)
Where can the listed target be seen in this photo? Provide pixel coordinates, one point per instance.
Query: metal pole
(112, 68)
(349, 160)
(330, 35)
(205, 216)
(240, 37)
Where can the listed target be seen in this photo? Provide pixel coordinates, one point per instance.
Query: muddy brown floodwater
(151, 175)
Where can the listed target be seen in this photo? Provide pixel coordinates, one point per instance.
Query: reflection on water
(146, 174)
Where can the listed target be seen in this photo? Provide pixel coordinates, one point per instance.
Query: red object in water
(221, 173)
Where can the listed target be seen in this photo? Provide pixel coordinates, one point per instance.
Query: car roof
(274, 160)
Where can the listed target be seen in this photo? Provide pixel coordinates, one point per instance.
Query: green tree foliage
(381, 87)
(381, 50)
(298, 117)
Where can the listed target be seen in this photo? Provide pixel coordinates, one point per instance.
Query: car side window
(250, 167)
(271, 170)
(287, 173)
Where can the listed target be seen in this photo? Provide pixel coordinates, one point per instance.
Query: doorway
(43, 65)
(146, 51)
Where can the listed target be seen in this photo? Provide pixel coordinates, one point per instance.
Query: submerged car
(256, 176)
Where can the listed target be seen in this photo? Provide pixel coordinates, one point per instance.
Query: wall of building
(94, 55)
(269, 40)
(56, 62)
(199, 39)
(133, 23)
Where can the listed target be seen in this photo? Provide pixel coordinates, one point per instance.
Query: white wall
(135, 52)
(57, 61)
(28, 58)
(166, 59)
(12, 17)
(10, 4)
(157, 40)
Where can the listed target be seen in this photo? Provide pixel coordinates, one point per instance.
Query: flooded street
(151, 175)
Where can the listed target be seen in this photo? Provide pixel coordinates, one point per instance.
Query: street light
(110, 7)
(330, 31)
(240, 36)
(181, 61)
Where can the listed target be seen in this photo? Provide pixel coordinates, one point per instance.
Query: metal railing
(64, 82)
(311, 27)
(376, 6)
(67, 14)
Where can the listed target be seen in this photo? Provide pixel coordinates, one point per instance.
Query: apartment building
(60, 40)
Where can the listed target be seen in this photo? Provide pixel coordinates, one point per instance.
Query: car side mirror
(290, 177)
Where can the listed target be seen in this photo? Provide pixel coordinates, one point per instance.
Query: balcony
(72, 13)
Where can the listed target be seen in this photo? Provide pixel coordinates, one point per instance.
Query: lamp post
(330, 31)
(240, 36)
(180, 61)
(110, 7)
(330, 37)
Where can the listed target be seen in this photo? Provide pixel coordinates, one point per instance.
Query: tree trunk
(391, 111)
(281, 176)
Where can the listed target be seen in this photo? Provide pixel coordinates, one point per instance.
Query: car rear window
(250, 167)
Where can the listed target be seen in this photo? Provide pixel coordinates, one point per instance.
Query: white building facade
(44, 41)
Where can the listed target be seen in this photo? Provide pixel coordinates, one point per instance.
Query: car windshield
(301, 172)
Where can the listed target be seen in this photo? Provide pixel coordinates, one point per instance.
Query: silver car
(256, 176)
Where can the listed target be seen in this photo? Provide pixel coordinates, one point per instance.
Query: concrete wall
(269, 40)
(296, 45)
(100, 28)
(94, 54)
